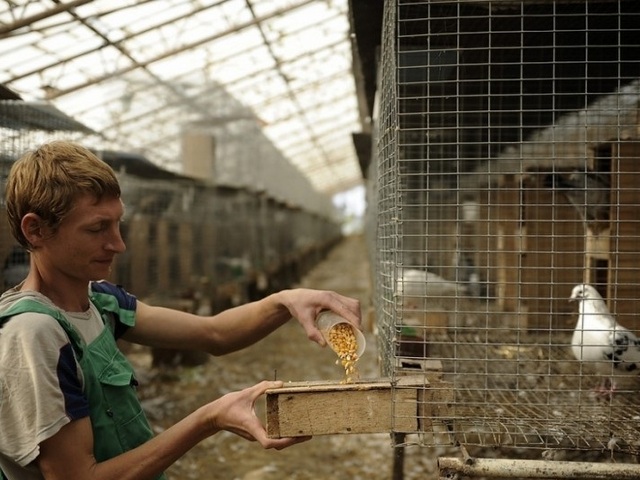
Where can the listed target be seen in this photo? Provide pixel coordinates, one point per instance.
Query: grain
(343, 341)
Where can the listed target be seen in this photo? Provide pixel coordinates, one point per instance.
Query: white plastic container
(326, 320)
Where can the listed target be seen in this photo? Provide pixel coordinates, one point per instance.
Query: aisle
(345, 270)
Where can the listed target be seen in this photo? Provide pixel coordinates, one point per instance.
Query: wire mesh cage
(25, 125)
(507, 178)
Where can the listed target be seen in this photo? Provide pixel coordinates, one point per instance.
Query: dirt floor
(170, 394)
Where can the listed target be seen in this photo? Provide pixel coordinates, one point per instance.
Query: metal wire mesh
(507, 173)
(24, 125)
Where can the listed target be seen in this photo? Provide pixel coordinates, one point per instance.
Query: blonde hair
(47, 181)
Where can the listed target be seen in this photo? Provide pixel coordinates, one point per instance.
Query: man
(68, 408)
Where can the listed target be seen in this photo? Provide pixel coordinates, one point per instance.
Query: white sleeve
(37, 373)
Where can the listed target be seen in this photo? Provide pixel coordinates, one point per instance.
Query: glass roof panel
(141, 72)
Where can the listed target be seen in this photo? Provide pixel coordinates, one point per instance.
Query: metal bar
(397, 469)
(64, 7)
(514, 468)
(167, 54)
(121, 41)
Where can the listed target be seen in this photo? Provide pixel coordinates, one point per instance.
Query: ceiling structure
(141, 72)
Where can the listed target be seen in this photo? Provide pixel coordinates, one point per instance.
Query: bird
(414, 286)
(612, 349)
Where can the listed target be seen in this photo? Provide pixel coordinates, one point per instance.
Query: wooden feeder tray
(325, 408)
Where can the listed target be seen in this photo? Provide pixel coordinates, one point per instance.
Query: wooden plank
(321, 408)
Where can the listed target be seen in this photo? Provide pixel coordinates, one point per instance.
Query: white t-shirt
(41, 384)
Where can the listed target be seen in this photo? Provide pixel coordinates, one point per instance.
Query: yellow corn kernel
(344, 343)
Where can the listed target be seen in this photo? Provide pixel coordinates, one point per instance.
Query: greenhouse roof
(141, 73)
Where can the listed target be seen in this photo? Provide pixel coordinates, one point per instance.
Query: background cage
(24, 125)
(507, 171)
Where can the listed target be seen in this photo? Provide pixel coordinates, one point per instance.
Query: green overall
(117, 418)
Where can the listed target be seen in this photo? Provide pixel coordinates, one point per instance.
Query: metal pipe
(515, 468)
(120, 41)
(5, 30)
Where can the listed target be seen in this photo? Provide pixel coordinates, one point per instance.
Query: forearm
(249, 323)
(233, 412)
(241, 326)
(246, 324)
(219, 334)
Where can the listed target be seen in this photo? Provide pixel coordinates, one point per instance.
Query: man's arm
(241, 326)
(68, 455)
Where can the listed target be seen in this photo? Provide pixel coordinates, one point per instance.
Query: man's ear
(33, 229)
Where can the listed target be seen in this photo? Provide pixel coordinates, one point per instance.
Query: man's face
(87, 240)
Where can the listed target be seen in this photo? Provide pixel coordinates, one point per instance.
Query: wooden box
(315, 408)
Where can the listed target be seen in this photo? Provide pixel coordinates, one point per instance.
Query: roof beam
(254, 75)
(5, 30)
(170, 53)
(108, 43)
(291, 94)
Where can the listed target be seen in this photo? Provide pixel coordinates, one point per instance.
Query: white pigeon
(415, 286)
(599, 340)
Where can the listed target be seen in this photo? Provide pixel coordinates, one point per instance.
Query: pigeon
(414, 286)
(599, 339)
